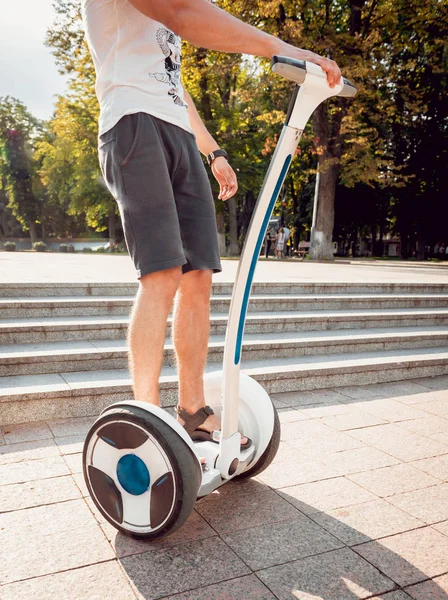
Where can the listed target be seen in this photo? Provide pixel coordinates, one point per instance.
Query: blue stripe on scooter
(275, 193)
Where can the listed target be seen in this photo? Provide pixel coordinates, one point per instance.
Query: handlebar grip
(296, 70)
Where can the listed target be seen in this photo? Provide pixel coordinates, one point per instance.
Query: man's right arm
(206, 26)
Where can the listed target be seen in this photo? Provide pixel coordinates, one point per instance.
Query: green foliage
(63, 247)
(382, 154)
(10, 246)
(87, 249)
(40, 246)
(71, 249)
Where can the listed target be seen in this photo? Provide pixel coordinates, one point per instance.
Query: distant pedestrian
(287, 233)
(268, 241)
(280, 243)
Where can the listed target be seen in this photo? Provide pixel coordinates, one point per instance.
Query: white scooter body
(242, 404)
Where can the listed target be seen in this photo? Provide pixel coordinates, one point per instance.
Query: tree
(68, 154)
(17, 172)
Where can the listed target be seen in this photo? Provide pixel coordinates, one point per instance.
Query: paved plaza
(58, 267)
(355, 506)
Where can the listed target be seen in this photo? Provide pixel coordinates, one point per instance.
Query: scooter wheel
(140, 473)
(268, 455)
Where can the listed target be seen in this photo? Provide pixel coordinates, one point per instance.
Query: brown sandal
(192, 423)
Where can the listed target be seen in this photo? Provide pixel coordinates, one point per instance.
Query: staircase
(63, 350)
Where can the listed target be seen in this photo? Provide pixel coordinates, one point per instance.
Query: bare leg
(147, 331)
(190, 331)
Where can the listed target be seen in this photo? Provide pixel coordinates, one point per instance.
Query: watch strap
(220, 152)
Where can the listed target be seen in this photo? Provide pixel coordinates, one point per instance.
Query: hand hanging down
(226, 177)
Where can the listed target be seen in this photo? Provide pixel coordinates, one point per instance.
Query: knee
(163, 282)
(197, 282)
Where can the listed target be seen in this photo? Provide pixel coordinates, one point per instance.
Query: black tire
(268, 455)
(186, 469)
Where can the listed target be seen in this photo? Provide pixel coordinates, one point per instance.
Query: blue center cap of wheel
(133, 474)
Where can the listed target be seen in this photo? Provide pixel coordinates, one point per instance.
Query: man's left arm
(221, 169)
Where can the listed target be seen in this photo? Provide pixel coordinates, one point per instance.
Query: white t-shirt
(286, 231)
(137, 62)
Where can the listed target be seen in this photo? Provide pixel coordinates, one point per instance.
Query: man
(149, 136)
(287, 232)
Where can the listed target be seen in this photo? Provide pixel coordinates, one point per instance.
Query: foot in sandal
(204, 426)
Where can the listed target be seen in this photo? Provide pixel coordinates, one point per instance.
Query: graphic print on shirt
(170, 44)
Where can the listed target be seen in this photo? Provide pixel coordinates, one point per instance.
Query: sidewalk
(355, 506)
(42, 267)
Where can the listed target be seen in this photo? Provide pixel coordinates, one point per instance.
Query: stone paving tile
(441, 437)
(96, 582)
(394, 480)
(429, 505)
(43, 540)
(325, 495)
(355, 419)
(399, 595)
(74, 462)
(356, 461)
(436, 407)
(70, 426)
(382, 390)
(182, 568)
(409, 557)
(426, 426)
(290, 415)
(195, 528)
(79, 480)
(430, 590)
(37, 493)
(433, 383)
(426, 396)
(392, 411)
(442, 527)
(228, 514)
(329, 409)
(437, 466)
(32, 470)
(247, 588)
(365, 522)
(398, 442)
(71, 444)
(314, 437)
(278, 543)
(287, 452)
(14, 453)
(293, 471)
(26, 432)
(337, 575)
(308, 398)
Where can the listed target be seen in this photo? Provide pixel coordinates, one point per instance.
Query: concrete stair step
(71, 306)
(37, 397)
(55, 357)
(55, 289)
(56, 329)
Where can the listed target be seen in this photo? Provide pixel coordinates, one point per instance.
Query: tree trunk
(233, 225)
(112, 225)
(328, 136)
(33, 235)
(220, 222)
(321, 247)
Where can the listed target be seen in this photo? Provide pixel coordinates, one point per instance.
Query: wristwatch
(220, 152)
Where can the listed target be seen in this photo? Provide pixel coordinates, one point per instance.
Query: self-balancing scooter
(141, 468)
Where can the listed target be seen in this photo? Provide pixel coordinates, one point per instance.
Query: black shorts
(155, 172)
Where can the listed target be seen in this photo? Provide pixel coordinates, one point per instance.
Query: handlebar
(296, 70)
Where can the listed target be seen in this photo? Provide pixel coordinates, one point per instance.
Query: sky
(27, 68)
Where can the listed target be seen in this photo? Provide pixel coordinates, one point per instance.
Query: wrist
(276, 47)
